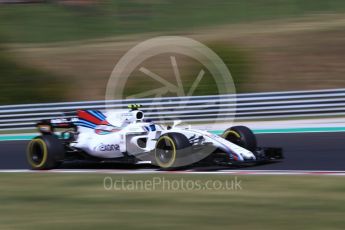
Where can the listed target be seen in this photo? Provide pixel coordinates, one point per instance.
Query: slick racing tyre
(170, 149)
(45, 152)
(242, 136)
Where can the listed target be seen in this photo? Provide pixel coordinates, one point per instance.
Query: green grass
(24, 84)
(239, 62)
(236, 59)
(53, 22)
(56, 201)
(44, 23)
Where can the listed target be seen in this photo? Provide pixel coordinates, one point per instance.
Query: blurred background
(65, 50)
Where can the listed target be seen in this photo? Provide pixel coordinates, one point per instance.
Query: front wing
(263, 156)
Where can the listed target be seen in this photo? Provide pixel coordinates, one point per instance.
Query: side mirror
(177, 122)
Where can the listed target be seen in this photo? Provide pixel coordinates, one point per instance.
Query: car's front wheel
(241, 136)
(170, 149)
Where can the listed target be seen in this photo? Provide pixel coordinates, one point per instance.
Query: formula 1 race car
(125, 136)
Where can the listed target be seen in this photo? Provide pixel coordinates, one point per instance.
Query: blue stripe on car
(92, 113)
(82, 121)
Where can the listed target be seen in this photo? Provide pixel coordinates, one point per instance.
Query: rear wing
(85, 118)
(49, 126)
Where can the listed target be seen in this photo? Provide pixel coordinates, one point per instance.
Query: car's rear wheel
(242, 136)
(170, 149)
(45, 152)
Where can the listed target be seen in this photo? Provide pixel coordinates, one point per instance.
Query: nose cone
(250, 156)
(245, 154)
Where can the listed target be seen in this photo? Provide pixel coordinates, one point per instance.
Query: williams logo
(108, 148)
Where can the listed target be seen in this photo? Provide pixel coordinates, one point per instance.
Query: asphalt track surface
(302, 151)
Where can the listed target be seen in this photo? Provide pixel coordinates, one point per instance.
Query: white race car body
(126, 137)
(122, 133)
